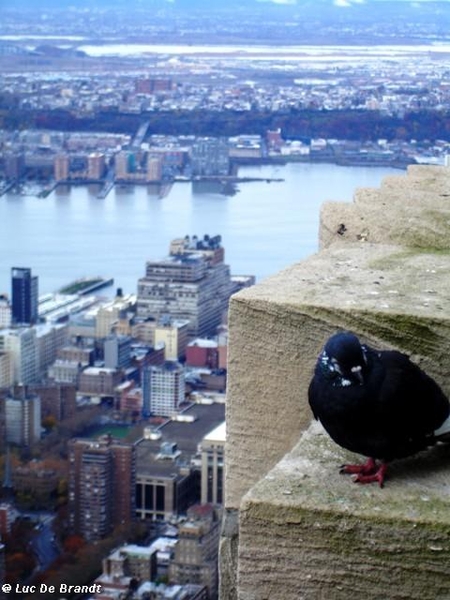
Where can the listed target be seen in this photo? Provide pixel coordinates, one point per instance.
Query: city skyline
(123, 366)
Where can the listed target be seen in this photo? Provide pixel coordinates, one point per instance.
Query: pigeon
(376, 403)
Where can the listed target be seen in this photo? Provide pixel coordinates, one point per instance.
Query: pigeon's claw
(368, 468)
(368, 472)
(377, 476)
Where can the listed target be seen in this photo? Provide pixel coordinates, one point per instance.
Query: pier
(5, 187)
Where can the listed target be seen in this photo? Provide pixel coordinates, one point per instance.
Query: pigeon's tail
(443, 433)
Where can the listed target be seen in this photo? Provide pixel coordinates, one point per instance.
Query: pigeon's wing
(410, 399)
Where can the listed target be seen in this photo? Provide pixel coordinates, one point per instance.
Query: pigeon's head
(346, 356)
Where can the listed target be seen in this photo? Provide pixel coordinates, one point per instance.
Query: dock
(86, 285)
(5, 187)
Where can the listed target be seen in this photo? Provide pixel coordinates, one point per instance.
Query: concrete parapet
(412, 210)
(307, 532)
(293, 527)
(391, 296)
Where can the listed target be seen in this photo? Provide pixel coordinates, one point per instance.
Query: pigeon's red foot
(368, 472)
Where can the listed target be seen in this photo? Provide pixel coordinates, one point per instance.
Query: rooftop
(187, 435)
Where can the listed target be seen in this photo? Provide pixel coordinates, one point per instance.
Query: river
(265, 226)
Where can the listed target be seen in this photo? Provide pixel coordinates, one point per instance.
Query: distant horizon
(214, 5)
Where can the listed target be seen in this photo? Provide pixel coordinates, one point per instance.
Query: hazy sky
(187, 4)
(4, 3)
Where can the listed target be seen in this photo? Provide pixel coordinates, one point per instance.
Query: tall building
(23, 419)
(192, 283)
(174, 335)
(21, 347)
(210, 157)
(121, 165)
(213, 459)
(6, 370)
(165, 484)
(96, 165)
(196, 552)
(61, 166)
(5, 312)
(57, 399)
(8, 515)
(50, 338)
(168, 472)
(154, 168)
(110, 313)
(24, 296)
(117, 352)
(14, 165)
(102, 484)
(163, 389)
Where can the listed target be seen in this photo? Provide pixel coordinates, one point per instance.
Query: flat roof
(218, 434)
(187, 436)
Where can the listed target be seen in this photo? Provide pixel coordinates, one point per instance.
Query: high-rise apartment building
(50, 338)
(57, 399)
(210, 157)
(192, 283)
(21, 346)
(102, 484)
(23, 419)
(24, 296)
(154, 168)
(163, 389)
(121, 160)
(61, 165)
(96, 165)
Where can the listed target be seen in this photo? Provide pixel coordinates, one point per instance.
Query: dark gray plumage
(375, 403)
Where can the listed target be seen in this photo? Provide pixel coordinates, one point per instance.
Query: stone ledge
(383, 275)
(412, 210)
(390, 295)
(309, 533)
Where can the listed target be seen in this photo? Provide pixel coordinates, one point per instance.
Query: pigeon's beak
(357, 372)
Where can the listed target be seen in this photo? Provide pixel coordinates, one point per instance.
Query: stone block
(309, 533)
(304, 531)
(411, 209)
(393, 297)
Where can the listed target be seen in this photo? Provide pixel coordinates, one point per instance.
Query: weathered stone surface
(391, 296)
(412, 210)
(229, 552)
(309, 533)
(305, 532)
